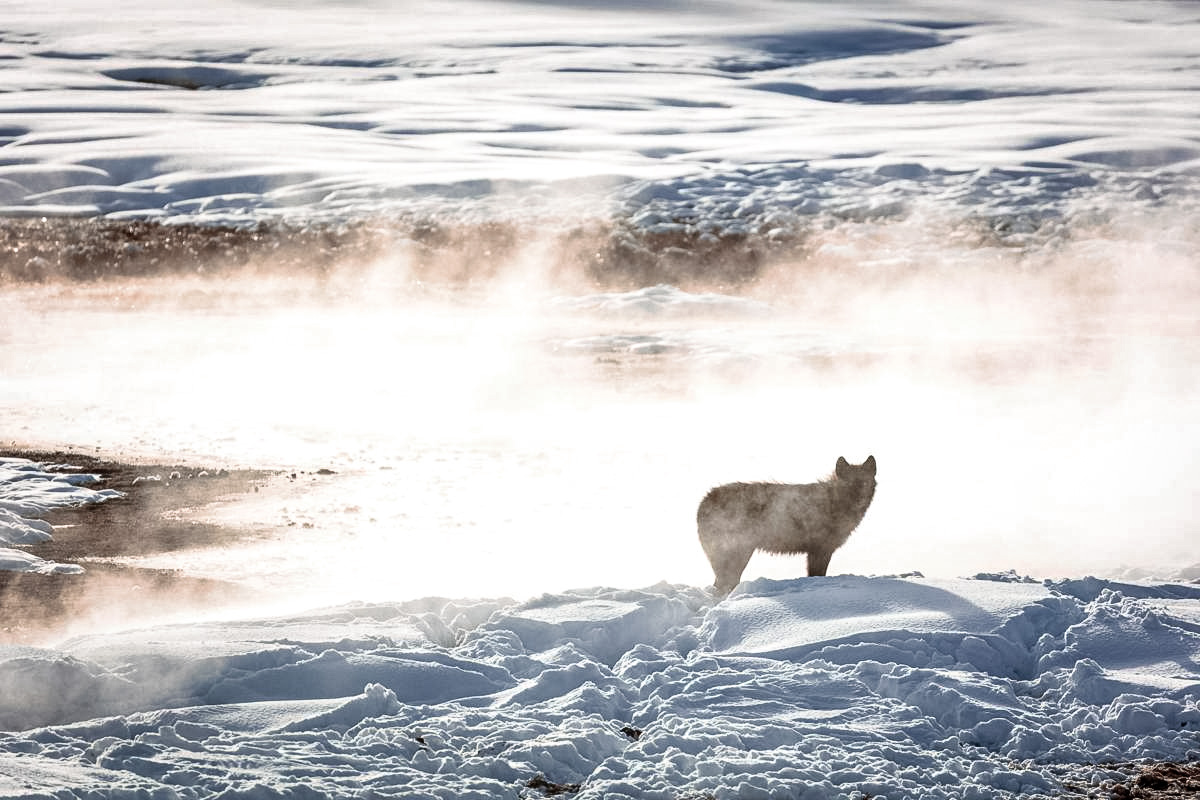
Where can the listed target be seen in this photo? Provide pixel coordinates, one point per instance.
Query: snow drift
(822, 687)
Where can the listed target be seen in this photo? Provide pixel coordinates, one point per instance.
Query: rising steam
(1029, 396)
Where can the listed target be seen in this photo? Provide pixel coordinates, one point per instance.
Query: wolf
(736, 519)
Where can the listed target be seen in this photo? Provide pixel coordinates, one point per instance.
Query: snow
(990, 214)
(726, 111)
(663, 299)
(891, 686)
(29, 490)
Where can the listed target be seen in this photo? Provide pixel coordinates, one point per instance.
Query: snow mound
(12, 560)
(852, 618)
(846, 686)
(15, 529)
(29, 490)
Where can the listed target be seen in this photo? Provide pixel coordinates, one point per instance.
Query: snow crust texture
(838, 687)
(739, 117)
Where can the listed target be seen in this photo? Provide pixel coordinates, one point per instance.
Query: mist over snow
(596, 259)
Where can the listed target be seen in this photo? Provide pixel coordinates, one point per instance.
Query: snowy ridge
(884, 686)
(29, 490)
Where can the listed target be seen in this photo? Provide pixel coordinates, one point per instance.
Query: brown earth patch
(38, 608)
(1135, 781)
(599, 253)
(1158, 782)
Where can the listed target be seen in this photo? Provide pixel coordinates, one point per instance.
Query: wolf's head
(862, 473)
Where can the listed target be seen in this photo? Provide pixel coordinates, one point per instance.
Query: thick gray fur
(736, 519)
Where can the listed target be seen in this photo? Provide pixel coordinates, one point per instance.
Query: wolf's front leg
(728, 567)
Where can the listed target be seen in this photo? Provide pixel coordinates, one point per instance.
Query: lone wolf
(736, 519)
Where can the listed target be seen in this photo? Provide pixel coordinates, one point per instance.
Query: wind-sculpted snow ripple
(834, 687)
(725, 117)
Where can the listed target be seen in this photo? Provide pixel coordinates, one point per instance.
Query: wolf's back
(762, 515)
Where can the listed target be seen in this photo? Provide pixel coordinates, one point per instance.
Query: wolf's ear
(842, 468)
(870, 464)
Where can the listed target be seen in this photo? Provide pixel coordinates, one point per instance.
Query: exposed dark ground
(600, 253)
(1143, 782)
(38, 607)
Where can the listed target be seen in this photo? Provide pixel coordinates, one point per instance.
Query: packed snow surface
(838, 687)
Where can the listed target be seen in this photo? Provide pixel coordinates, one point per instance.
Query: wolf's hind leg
(818, 562)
